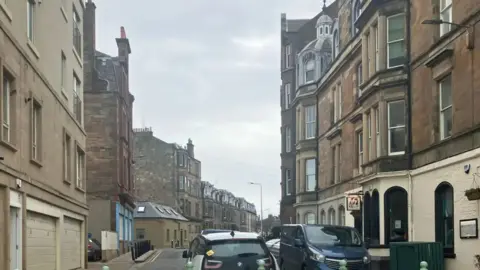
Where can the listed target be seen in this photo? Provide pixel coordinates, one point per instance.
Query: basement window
(141, 209)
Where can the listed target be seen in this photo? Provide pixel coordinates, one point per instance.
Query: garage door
(41, 242)
(71, 244)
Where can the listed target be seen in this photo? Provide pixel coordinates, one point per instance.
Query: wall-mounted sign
(469, 228)
(354, 202)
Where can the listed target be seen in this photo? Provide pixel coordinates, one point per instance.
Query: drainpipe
(409, 116)
(317, 162)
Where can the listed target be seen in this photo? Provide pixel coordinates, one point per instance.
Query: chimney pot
(122, 32)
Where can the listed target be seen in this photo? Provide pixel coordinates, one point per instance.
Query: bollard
(343, 265)
(189, 265)
(105, 267)
(423, 265)
(261, 264)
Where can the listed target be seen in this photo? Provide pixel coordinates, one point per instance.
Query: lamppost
(261, 205)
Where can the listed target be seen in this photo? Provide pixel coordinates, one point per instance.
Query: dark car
(322, 247)
(94, 250)
(229, 250)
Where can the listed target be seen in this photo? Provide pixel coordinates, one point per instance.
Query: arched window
(323, 217)
(298, 218)
(309, 71)
(336, 43)
(444, 226)
(366, 216)
(396, 215)
(310, 218)
(375, 218)
(341, 215)
(356, 11)
(331, 216)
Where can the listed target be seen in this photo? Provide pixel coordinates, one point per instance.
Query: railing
(140, 247)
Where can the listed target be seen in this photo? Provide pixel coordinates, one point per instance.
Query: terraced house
(387, 123)
(42, 144)
(222, 210)
(168, 174)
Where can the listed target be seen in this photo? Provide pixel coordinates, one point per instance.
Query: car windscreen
(331, 235)
(238, 248)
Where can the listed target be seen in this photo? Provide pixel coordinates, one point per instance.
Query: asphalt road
(169, 259)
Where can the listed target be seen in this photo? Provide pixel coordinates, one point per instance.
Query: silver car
(274, 246)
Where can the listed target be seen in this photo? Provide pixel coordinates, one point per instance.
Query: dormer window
(310, 71)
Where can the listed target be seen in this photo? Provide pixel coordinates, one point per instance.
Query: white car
(233, 250)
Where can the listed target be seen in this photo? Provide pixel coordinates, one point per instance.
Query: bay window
(396, 127)
(310, 122)
(310, 175)
(396, 40)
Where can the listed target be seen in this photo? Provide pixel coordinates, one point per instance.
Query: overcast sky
(209, 70)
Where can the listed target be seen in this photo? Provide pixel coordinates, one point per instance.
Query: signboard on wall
(354, 202)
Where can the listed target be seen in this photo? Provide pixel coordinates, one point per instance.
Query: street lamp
(261, 205)
(468, 29)
(439, 22)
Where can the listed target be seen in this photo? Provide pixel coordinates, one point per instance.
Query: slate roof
(150, 210)
(295, 25)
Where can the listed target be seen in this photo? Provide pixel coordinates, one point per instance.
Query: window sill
(32, 48)
(36, 163)
(80, 189)
(67, 182)
(6, 11)
(77, 56)
(64, 13)
(9, 145)
(449, 255)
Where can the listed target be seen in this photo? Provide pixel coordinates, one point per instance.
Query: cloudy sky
(209, 70)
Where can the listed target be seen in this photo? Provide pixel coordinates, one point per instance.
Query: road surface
(168, 259)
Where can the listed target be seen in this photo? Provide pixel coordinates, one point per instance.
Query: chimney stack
(89, 46)
(190, 148)
(123, 48)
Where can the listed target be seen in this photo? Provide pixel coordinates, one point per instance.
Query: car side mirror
(185, 254)
(298, 243)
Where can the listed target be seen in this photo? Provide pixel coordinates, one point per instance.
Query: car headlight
(317, 256)
(366, 259)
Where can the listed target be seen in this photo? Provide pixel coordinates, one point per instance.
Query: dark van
(306, 247)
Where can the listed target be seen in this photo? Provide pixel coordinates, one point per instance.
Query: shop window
(444, 226)
(396, 215)
(323, 217)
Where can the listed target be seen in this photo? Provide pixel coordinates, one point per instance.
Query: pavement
(124, 262)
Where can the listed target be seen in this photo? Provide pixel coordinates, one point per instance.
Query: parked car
(94, 250)
(229, 250)
(311, 247)
(274, 246)
(209, 231)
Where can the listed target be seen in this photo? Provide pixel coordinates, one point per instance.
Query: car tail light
(212, 264)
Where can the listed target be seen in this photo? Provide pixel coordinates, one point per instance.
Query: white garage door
(71, 244)
(41, 242)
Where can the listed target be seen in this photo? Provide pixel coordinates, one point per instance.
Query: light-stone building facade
(43, 209)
